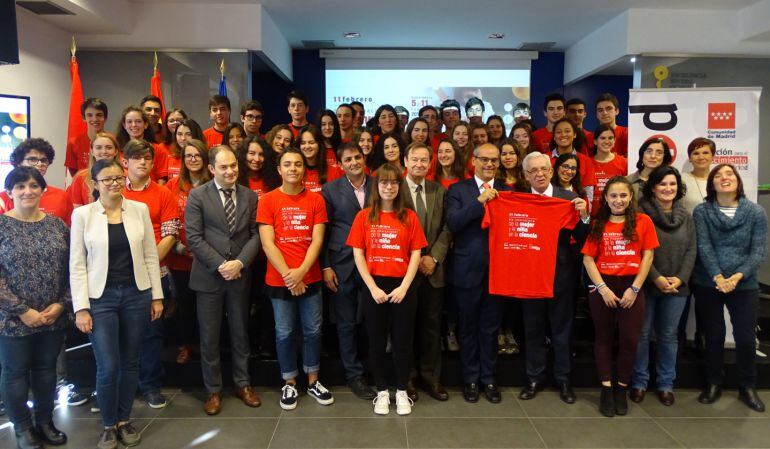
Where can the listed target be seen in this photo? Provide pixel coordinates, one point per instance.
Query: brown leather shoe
(666, 398)
(248, 396)
(436, 391)
(411, 391)
(213, 404)
(637, 395)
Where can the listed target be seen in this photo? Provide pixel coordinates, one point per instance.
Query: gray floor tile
(140, 411)
(472, 433)
(340, 433)
(687, 405)
(190, 405)
(456, 407)
(82, 433)
(209, 433)
(732, 433)
(603, 433)
(547, 404)
(345, 406)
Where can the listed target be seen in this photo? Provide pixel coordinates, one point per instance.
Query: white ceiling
(452, 24)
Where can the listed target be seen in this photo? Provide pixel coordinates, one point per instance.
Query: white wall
(43, 75)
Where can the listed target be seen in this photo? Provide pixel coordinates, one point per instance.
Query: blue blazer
(471, 243)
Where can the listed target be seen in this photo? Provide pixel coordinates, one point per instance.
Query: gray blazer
(209, 239)
(341, 209)
(436, 231)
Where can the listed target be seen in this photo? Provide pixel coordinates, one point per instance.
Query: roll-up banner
(729, 116)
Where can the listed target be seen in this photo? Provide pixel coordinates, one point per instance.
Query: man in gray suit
(220, 222)
(345, 197)
(426, 198)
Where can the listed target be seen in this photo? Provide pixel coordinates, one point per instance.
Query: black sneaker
(128, 435)
(156, 400)
(289, 397)
(361, 389)
(320, 393)
(74, 398)
(94, 403)
(108, 440)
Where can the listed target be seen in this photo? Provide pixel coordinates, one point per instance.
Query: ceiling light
(633, 59)
(352, 35)
(496, 35)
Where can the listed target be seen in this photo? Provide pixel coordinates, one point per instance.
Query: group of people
(391, 223)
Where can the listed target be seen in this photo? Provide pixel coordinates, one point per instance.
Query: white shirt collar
(548, 190)
(479, 182)
(219, 187)
(412, 185)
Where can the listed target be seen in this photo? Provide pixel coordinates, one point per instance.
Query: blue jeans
(661, 316)
(285, 311)
(120, 318)
(150, 364)
(29, 361)
(346, 313)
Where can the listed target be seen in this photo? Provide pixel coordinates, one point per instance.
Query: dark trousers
(261, 315)
(396, 319)
(232, 298)
(479, 320)
(538, 313)
(29, 361)
(430, 301)
(346, 301)
(150, 363)
(743, 307)
(186, 308)
(629, 323)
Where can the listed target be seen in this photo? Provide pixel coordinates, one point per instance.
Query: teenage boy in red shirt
(252, 114)
(345, 114)
(358, 114)
(553, 110)
(607, 110)
(94, 113)
(576, 113)
(296, 104)
(153, 110)
(219, 112)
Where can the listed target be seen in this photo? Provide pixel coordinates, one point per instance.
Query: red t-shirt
(178, 261)
(448, 182)
(161, 203)
(257, 185)
(213, 137)
(159, 162)
(331, 157)
(621, 141)
(292, 218)
(54, 201)
(435, 141)
(78, 152)
(78, 192)
(588, 144)
(173, 164)
(541, 140)
(587, 175)
(616, 256)
(524, 230)
(604, 171)
(295, 130)
(389, 243)
(312, 181)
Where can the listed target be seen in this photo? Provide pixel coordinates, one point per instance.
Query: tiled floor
(544, 422)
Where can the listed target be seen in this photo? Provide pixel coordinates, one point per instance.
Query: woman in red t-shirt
(194, 173)
(387, 238)
(173, 119)
(234, 135)
(291, 227)
(81, 191)
(186, 129)
(417, 131)
(365, 139)
(279, 138)
(606, 163)
(329, 126)
(448, 167)
(511, 173)
(388, 150)
(461, 134)
(318, 171)
(496, 128)
(522, 134)
(134, 124)
(617, 256)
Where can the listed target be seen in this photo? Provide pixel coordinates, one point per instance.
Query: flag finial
(73, 47)
(155, 61)
(222, 67)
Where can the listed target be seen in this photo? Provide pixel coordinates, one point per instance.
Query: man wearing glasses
(480, 314)
(251, 118)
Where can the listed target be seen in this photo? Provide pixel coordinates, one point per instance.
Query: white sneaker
(382, 403)
(403, 403)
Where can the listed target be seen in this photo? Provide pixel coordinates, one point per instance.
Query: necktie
(486, 186)
(422, 211)
(229, 209)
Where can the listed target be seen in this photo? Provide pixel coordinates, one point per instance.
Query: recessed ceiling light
(352, 35)
(496, 35)
(633, 59)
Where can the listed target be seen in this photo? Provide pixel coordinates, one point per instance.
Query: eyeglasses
(37, 161)
(110, 181)
(192, 157)
(388, 182)
(568, 167)
(543, 170)
(174, 122)
(488, 160)
(252, 117)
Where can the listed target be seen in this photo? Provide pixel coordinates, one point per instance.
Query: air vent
(318, 44)
(45, 8)
(536, 46)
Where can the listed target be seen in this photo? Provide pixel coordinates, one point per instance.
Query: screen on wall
(500, 90)
(14, 128)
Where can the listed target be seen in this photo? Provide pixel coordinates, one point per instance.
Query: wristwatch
(635, 289)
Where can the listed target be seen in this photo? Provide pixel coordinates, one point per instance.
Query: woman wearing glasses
(116, 292)
(653, 153)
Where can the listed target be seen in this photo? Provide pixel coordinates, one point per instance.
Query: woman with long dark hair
(318, 171)
(496, 127)
(257, 166)
(653, 153)
(328, 127)
(185, 130)
(389, 149)
(567, 170)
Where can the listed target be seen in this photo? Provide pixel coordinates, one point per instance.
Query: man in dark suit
(559, 310)
(345, 197)
(480, 314)
(426, 198)
(220, 222)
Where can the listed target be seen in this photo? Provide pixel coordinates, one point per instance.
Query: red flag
(76, 125)
(155, 89)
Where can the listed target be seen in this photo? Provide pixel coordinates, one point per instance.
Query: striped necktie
(229, 209)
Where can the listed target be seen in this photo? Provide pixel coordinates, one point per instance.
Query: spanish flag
(156, 86)
(76, 125)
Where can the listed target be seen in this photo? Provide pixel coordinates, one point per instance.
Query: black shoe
(750, 397)
(530, 391)
(710, 394)
(566, 393)
(361, 389)
(411, 391)
(27, 439)
(607, 402)
(51, 435)
(471, 392)
(621, 400)
(492, 393)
